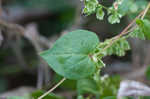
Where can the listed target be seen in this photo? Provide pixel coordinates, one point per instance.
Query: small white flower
(94, 58)
(104, 77)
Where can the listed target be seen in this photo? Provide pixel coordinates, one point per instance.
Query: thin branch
(1, 37)
(40, 76)
(33, 36)
(116, 38)
(11, 26)
(18, 52)
(146, 10)
(125, 31)
(21, 31)
(132, 88)
(131, 30)
(1, 10)
(36, 39)
(59, 83)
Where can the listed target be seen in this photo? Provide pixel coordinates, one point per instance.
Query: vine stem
(142, 17)
(53, 88)
(116, 38)
(146, 10)
(143, 13)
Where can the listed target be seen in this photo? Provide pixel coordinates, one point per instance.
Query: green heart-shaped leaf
(71, 54)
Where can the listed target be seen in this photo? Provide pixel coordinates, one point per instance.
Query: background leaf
(51, 5)
(19, 97)
(110, 97)
(144, 26)
(147, 73)
(87, 85)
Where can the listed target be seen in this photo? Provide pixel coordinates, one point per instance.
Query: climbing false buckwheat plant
(78, 55)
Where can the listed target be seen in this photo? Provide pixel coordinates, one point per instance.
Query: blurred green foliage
(51, 5)
(3, 84)
(144, 27)
(108, 86)
(147, 73)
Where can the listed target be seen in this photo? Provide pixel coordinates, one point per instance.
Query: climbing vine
(78, 55)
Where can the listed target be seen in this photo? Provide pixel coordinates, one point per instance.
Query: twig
(40, 76)
(22, 16)
(116, 38)
(21, 31)
(18, 52)
(11, 26)
(134, 74)
(1, 8)
(1, 37)
(131, 30)
(32, 35)
(132, 88)
(145, 11)
(45, 94)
